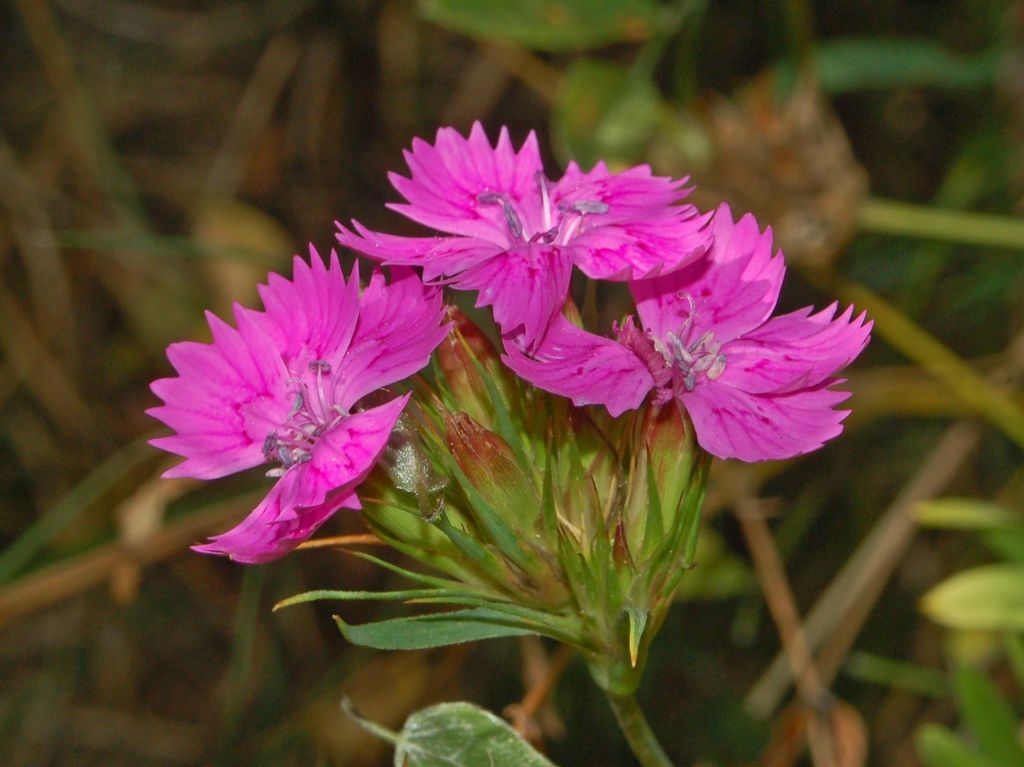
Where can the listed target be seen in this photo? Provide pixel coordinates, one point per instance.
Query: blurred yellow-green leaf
(988, 598)
(966, 514)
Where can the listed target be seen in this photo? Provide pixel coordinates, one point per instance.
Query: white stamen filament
(292, 443)
(700, 357)
(558, 231)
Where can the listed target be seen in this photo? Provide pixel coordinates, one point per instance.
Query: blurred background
(158, 157)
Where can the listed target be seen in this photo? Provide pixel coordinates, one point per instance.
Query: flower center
(311, 415)
(559, 223)
(692, 358)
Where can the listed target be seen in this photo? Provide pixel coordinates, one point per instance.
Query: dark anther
(590, 206)
(270, 444)
(513, 220)
(546, 237)
(285, 456)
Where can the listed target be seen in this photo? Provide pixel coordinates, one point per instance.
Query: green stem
(634, 726)
(929, 223)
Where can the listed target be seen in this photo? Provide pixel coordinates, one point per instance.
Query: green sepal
(637, 623)
(492, 468)
(484, 560)
(491, 522)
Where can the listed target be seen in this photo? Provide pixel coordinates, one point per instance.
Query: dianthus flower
(515, 236)
(285, 388)
(756, 388)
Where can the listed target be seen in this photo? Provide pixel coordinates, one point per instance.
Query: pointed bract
(285, 388)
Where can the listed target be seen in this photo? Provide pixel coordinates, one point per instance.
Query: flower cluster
(294, 385)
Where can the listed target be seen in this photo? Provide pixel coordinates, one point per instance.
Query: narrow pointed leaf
(938, 747)
(422, 632)
(354, 596)
(966, 514)
(989, 717)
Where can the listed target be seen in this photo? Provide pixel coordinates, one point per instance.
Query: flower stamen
(291, 444)
(515, 226)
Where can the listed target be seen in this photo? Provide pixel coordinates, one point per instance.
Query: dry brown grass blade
(818, 705)
(252, 115)
(44, 268)
(854, 588)
(840, 612)
(59, 581)
(41, 373)
(339, 541)
(536, 74)
(793, 728)
(533, 717)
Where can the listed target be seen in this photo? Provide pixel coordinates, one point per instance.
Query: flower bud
(472, 368)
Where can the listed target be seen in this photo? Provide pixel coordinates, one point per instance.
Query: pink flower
(515, 236)
(285, 388)
(756, 388)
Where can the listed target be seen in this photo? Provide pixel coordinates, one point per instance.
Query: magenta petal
(795, 351)
(311, 316)
(663, 241)
(221, 402)
(440, 257)
(643, 231)
(449, 176)
(526, 287)
(731, 423)
(630, 194)
(275, 527)
(310, 493)
(344, 455)
(728, 292)
(589, 369)
(399, 328)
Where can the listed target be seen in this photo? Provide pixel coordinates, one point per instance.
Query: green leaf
(988, 716)
(427, 580)
(989, 598)
(859, 63)
(551, 25)
(354, 596)
(938, 747)
(456, 735)
(897, 674)
(966, 514)
(604, 112)
(421, 632)
(1008, 543)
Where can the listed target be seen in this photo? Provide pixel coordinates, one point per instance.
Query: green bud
(493, 469)
(472, 369)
